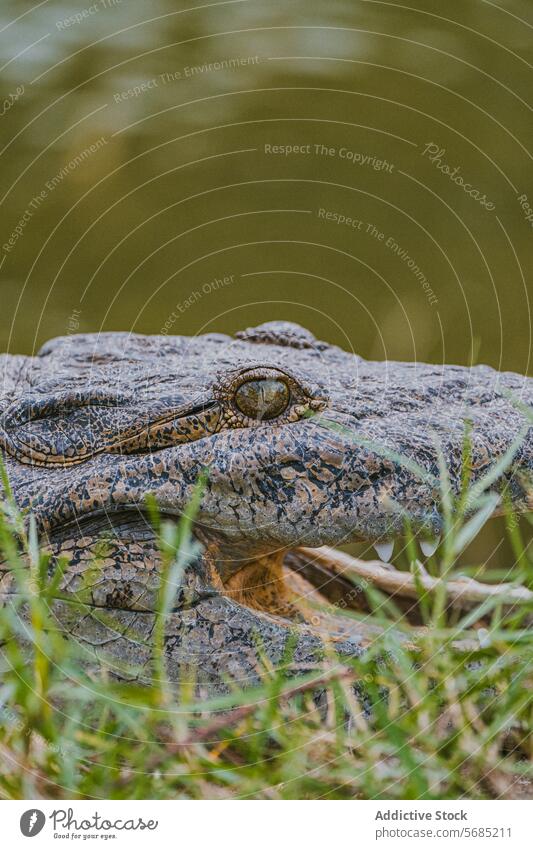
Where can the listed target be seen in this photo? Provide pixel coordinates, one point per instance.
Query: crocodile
(298, 444)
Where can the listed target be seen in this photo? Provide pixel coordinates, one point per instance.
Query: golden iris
(262, 399)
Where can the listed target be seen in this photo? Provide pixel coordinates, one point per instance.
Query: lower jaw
(114, 564)
(264, 582)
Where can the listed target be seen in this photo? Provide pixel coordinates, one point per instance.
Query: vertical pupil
(262, 399)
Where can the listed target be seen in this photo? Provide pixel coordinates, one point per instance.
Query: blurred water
(184, 107)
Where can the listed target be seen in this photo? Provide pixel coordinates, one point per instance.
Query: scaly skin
(94, 423)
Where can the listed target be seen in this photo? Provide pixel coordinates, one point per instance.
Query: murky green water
(353, 166)
(228, 142)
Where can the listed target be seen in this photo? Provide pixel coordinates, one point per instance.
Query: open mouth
(333, 573)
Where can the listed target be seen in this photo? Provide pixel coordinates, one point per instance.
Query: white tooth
(384, 550)
(429, 547)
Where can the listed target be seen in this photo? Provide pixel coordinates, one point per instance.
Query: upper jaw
(390, 469)
(330, 479)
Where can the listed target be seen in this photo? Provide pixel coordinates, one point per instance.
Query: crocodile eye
(262, 399)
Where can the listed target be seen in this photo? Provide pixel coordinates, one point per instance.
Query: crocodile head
(304, 444)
